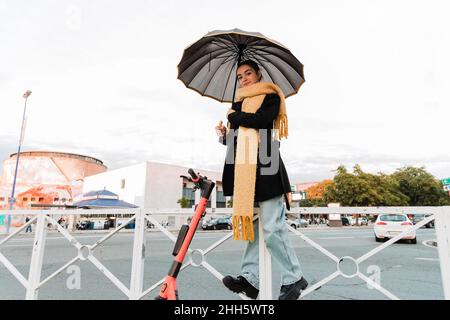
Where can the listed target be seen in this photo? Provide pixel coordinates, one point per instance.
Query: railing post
(442, 225)
(265, 265)
(137, 268)
(37, 257)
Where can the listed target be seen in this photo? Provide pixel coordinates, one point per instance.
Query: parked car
(101, 224)
(93, 224)
(346, 221)
(217, 224)
(362, 221)
(419, 217)
(297, 223)
(390, 225)
(303, 223)
(130, 225)
(82, 225)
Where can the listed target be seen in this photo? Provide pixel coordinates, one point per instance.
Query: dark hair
(250, 63)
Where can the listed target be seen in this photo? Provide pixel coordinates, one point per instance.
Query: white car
(362, 221)
(296, 223)
(391, 225)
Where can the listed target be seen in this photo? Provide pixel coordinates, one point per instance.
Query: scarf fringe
(243, 228)
(281, 126)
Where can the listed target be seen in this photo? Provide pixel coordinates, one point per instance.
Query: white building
(154, 185)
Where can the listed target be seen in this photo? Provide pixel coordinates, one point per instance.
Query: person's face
(247, 75)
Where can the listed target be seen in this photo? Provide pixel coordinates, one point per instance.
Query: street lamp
(22, 133)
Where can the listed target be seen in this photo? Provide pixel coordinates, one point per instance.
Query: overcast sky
(104, 81)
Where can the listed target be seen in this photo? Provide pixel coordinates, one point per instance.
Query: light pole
(22, 133)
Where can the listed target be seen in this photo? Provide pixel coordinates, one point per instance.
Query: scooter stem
(169, 290)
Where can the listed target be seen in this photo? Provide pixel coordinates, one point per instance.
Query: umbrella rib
(267, 70)
(213, 74)
(263, 49)
(228, 54)
(230, 39)
(207, 53)
(268, 61)
(257, 47)
(276, 55)
(248, 41)
(226, 84)
(221, 55)
(225, 50)
(253, 49)
(226, 57)
(266, 53)
(224, 45)
(254, 52)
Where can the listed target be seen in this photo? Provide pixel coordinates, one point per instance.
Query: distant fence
(141, 217)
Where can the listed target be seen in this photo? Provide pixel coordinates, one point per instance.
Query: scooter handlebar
(193, 175)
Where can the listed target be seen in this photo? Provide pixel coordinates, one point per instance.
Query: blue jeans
(277, 242)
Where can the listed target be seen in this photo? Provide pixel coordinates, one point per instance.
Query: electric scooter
(168, 289)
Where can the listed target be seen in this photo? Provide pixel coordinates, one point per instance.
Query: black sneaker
(293, 291)
(240, 284)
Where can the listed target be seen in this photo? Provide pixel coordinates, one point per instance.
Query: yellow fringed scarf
(247, 155)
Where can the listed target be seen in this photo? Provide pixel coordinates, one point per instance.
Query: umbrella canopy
(208, 66)
(102, 199)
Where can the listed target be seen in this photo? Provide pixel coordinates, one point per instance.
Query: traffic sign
(297, 196)
(446, 181)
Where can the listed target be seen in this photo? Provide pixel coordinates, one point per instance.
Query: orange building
(45, 177)
(305, 185)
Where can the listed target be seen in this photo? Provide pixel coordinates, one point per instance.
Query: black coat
(267, 186)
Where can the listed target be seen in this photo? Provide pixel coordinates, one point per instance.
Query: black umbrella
(209, 65)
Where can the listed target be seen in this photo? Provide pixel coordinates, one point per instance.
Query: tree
(316, 192)
(422, 188)
(363, 189)
(390, 191)
(312, 203)
(184, 202)
(350, 189)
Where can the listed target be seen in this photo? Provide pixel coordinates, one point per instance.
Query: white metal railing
(136, 290)
(441, 215)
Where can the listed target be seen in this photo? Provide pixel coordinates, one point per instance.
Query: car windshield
(393, 218)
